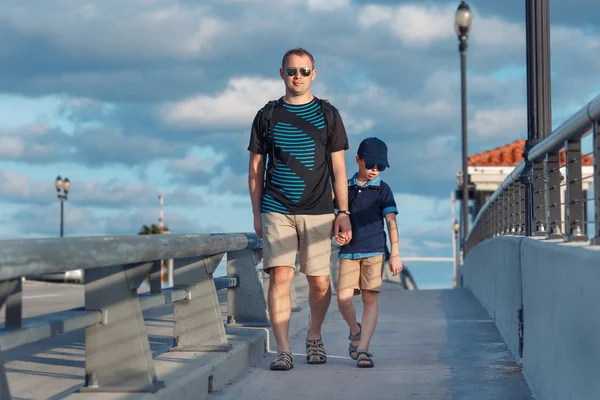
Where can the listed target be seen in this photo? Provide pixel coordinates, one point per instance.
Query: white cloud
(236, 106)
(421, 25)
(18, 187)
(45, 221)
(508, 123)
(327, 5)
(16, 143)
(193, 163)
(414, 25)
(109, 28)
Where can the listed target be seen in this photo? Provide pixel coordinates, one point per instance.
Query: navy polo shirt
(368, 206)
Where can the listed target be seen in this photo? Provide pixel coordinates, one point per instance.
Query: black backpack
(267, 115)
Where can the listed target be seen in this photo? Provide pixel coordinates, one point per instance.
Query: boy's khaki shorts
(361, 274)
(286, 235)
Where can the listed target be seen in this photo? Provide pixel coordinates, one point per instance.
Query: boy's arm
(390, 219)
(395, 261)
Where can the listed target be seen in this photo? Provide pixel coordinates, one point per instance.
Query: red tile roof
(511, 155)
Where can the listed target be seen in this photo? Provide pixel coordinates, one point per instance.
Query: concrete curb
(202, 377)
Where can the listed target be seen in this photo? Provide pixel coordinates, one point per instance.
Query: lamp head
(462, 20)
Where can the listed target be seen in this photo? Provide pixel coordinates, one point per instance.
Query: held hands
(342, 229)
(395, 265)
(342, 239)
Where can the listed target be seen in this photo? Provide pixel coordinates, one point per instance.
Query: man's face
(299, 66)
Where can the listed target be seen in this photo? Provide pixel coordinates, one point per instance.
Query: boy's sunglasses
(304, 71)
(381, 168)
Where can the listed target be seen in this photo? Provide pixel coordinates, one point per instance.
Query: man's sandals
(283, 362)
(315, 352)
(352, 349)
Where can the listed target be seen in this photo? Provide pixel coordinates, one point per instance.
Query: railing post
(505, 214)
(14, 305)
(510, 207)
(515, 208)
(553, 214)
(497, 216)
(156, 278)
(246, 304)
(521, 209)
(117, 351)
(4, 389)
(596, 138)
(574, 201)
(539, 199)
(9, 289)
(198, 323)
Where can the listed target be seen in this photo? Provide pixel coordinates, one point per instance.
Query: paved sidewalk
(433, 345)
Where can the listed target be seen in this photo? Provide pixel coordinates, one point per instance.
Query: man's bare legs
(319, 297)
(280, 304)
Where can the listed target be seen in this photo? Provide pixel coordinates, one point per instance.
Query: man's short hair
(298, 52)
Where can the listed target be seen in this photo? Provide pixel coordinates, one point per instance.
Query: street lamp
(462, 26)
(62, 188)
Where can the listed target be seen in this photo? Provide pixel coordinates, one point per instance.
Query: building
(487, 170)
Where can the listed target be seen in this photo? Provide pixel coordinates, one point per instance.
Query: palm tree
(151, 230)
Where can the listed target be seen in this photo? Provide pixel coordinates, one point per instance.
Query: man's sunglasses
(304, 71)
(381, 168)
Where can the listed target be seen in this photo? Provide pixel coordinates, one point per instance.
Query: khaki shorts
(286, 235)
(361, 274)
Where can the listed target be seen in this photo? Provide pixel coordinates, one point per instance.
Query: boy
(362, 256)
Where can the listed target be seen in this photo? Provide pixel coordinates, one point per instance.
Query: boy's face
(363, 172)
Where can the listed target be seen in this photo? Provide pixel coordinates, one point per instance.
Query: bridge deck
(428, 345)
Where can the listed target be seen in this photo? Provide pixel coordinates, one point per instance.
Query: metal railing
(117, 351)
(531, 193)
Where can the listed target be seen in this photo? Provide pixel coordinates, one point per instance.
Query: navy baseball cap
(373, 151)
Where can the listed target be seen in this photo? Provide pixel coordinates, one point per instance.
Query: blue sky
(129, 99)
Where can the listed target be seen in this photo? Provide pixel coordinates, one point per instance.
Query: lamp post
(462, 25)
(62, 188)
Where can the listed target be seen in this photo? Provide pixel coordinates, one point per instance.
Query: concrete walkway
(428, 345)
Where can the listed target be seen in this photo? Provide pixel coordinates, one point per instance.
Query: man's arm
(256, 170)
(340, 187)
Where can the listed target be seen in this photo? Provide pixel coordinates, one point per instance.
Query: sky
(128, 99)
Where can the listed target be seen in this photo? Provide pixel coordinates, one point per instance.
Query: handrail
(114, 269)
(28, 257)
(508, 218)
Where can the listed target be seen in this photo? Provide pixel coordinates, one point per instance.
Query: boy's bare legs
(346, 307)
(319, 298)
(280, 304)
(369, 318)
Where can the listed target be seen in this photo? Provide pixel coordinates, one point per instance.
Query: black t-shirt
(300, 182)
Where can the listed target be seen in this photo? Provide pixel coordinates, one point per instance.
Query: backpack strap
(267, 116)
(329, 115)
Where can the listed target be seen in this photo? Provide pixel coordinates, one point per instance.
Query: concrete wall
(558, 285)
(492, 271)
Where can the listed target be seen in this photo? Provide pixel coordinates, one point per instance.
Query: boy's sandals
(364, 359)
(283, 362)
(315, 352)
(352, 348)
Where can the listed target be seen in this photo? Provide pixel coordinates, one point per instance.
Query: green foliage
(151, 230)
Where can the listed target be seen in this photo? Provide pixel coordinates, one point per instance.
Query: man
(293, 208)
